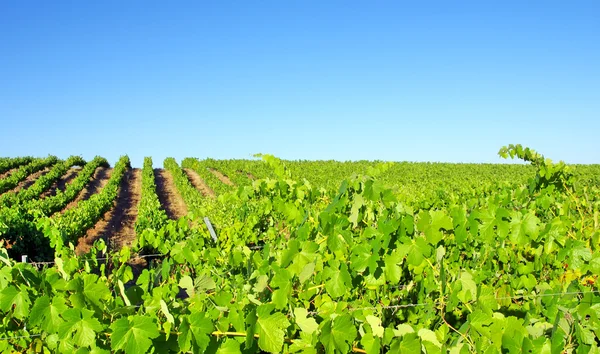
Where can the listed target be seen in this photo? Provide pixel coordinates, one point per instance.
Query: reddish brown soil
(97, 182)
(169, 197)
(223, 178)
(27, 182)
(7, 173)
(199, 183)
(248, 174)
(117, 227)
(61, 184)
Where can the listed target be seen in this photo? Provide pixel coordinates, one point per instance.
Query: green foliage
(203, 168)
(150, 213)
(7, 163)
(548, 173)
(19, 175)
(20, 220)
(301, 268)
(42, 183)
(238, 171)
(191, 196)
(133, 335)
(73, 223)
(270, 328)
(50, 205)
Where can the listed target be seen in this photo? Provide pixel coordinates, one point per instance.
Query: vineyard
(267, 255)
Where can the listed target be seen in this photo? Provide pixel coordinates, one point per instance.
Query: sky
(449, 81)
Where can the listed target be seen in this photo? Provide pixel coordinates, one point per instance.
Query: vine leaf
(270, 329)
(47, 314)
(338, 334)
(428, 335)
(133, 335)
(80, 326)
(393, 272)
(522, 226)
(409, 343)
(376, 327)
(195, 329)
(338, 278)
(415, 251)
(580, 255)
(468, 290)
(230, 346)
(187, 284)
(307, 325)
(11, 297)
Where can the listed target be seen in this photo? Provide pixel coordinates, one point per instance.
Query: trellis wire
(403, 306)
(399, 306)
(98, 259)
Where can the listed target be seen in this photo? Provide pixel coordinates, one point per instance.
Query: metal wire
(312, 313)
(21, 337)
(98, 259)
(549, 294)
(395, 307)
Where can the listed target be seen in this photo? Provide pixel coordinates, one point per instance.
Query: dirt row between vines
(168, 195)
(248, 174)
(61, 184)
(117, 227)
(223, 178)
(27, 182)
(199, 183)
(8, 173)
(97, 182)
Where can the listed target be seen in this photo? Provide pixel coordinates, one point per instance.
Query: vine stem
(472, 346)
(230, 334)
(322, 240)
(442, 315)
(315, 287)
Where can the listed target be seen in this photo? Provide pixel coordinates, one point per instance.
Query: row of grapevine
(191, 196)
(151, 215)
(7, 163)
(154, 239)
(20, 221)
(203, 170)
(242, 170)
(425, 184)
(50, 205)
(73, 223)
(510, 268)
(36, 165)
(42, 183)
(237, 171)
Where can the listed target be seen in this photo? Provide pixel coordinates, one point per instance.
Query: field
(265, 255)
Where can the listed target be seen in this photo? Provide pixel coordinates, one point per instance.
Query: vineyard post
(210, 229)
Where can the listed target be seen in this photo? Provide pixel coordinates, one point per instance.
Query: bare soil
(97, 182)
(168, 195)
(27, 182)
(248, 174)
(8, 173)
(117, 227)
(223, 178)
(61, 184)
(199, 183)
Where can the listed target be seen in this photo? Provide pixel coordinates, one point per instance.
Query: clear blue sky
(418, 81)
